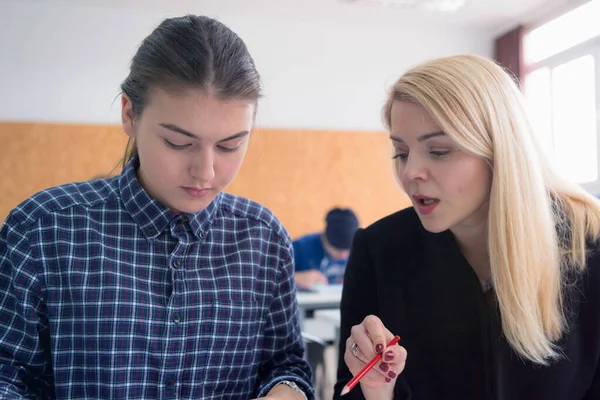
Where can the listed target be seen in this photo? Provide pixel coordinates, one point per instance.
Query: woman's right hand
(371, 337)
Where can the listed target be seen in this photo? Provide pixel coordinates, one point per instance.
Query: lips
(197, 192)
(425, 204)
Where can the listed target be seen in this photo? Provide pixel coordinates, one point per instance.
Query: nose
(415, 168)
(202, 166)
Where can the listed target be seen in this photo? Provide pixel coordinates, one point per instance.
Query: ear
(127, 116)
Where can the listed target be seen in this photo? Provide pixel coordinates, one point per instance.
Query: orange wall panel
(298, 174)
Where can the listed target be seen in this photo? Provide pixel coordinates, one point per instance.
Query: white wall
(63, 60)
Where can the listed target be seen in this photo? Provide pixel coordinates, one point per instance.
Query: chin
(190, 210)
(194, 206)
(433, 226)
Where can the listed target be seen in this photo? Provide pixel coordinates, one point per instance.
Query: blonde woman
(492, 277)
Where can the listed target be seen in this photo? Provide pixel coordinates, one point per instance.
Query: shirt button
(176, 318)
(201, 235)
(176, 264)
(151, 232)
(170, 384)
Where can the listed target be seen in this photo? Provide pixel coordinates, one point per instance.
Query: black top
(424, 290)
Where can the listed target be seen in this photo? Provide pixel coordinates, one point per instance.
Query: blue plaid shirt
(105, 293)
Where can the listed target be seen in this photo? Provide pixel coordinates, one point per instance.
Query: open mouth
(427, 202)
(426, 205)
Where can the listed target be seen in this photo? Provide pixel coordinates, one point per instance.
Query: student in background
(492, 278)
(320, 258)
(154, 283)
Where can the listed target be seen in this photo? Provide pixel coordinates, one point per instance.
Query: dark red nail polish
(379, 348)
(384, 367)
(388, 380)
(392, 374)
(389, 356)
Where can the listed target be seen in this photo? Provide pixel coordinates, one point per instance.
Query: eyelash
(182, 147)
(175, 146)
(437, 154)
(228, 149)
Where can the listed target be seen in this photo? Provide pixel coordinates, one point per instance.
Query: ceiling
(491, 15)
(486, 14)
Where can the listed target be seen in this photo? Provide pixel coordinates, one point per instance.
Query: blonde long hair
(477, 104)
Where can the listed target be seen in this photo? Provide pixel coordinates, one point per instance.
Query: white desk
(328, 297)
(332, 317)
(310, 301)
(322, 299)
(318, 301)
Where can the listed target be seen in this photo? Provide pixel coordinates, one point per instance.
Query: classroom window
(562, 89)
(563, 33)
(574, 119)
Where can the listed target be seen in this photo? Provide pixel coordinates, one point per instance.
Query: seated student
(156, 284)
(492, 278)
(320, 258)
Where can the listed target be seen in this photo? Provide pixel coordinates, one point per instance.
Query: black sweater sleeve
(359, 299)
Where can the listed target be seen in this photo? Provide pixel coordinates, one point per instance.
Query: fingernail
(388, 380)
(389, 356)
(384, 367)
(379, 348)
(392, 374)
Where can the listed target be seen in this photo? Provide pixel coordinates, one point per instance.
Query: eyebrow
(421, 138)
(176, 129)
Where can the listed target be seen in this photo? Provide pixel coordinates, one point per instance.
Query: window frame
(591, 47)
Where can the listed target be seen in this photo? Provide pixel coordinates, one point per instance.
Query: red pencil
(350, 385)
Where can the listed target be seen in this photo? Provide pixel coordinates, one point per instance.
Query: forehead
(193, 100)
(410, 118)
(199, 112)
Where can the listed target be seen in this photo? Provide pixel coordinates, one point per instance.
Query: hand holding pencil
(373, 357)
